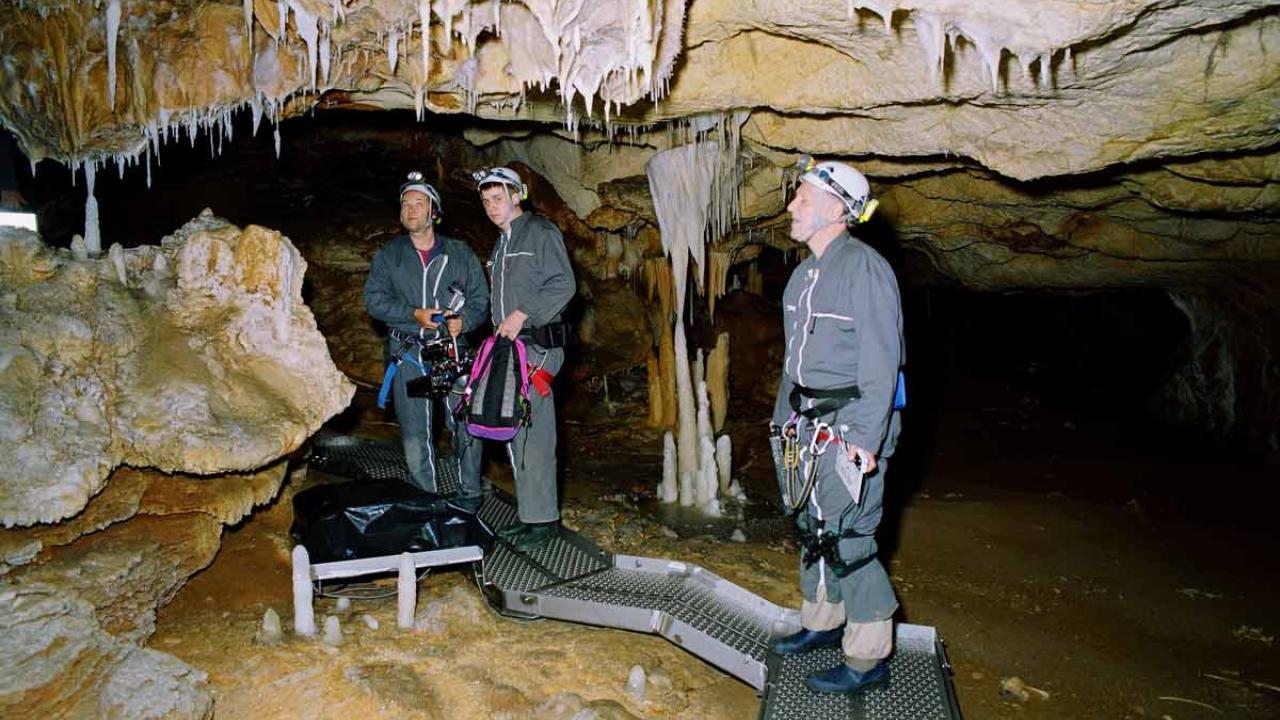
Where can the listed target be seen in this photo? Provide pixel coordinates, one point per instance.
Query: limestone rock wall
(195, 355)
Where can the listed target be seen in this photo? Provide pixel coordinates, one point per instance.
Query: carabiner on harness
(794, 484)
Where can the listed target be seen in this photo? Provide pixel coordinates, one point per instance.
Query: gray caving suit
(398, 283)
(843, 325)
(531, 272)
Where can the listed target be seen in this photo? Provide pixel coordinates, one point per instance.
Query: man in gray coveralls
(409, 282)
(843, 323)
(531, 283)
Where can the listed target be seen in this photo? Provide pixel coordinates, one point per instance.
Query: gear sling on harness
(818, 545)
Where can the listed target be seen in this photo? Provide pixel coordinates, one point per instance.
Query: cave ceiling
(1074, 143)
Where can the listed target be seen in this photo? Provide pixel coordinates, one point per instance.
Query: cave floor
(1065, 572)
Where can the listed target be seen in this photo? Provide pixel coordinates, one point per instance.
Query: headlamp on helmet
(847, 184)
(417, 183)
(503, 175)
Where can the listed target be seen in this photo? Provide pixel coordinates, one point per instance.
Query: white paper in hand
(850, 473)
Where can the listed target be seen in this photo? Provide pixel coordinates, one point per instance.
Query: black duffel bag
(345, 521)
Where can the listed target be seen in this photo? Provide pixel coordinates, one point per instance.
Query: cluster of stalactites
(939, 30)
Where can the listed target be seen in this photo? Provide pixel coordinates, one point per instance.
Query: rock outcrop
(78, 597)
(197, 355)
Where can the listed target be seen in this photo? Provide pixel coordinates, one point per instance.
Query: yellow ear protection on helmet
(860, 208)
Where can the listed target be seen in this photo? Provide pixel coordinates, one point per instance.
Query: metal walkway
(572, 579)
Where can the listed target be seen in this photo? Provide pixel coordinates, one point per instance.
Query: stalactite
(717, 276)
(718, 380)
(657, 273)
(755, 278)
(667, 370)
(655, 391)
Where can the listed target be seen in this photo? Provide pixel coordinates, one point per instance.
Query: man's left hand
(510, 327)
(853, 451)
(454, 324)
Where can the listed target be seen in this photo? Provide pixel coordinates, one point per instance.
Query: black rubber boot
(512, 532)
(537, 536)
(806, 640)
(844, 679)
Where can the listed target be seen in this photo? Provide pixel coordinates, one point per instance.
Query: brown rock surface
(59, 663)
(94, 591)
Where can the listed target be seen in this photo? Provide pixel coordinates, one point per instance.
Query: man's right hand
(423, 316)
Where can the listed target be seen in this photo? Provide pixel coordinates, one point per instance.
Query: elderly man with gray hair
(837, 413)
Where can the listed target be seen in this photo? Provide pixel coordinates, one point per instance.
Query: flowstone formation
(196, 355)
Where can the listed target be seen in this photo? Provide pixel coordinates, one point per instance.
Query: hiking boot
(513, 531)
(537, 536)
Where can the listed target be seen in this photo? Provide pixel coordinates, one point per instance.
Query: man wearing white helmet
(532, 283)
(836, 405)
(411, 282)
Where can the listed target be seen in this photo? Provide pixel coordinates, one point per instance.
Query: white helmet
(416, 183)
(847, 184)
(506, 176)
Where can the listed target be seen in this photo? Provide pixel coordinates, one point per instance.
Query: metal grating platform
(919, 686)
(572, 579)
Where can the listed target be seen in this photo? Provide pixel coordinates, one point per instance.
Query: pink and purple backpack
(496, 399)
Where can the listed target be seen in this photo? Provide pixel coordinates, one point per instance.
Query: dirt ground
(1037, 549)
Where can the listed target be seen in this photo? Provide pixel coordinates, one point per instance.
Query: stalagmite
(115, 256)
(92, 237)
(718, 381)
(699, 376)
(724, 461)
(704, 413)
(668, 490)
(113, 29)
(687, 494)
(332, 631)
(636, 683)
(304, 619)
(707, 483)
(687, 433)
(406, 593)
(270, 631)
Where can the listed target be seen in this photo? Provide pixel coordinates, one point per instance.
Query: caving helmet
(504, 175)
(847, 184)
(417, 183)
